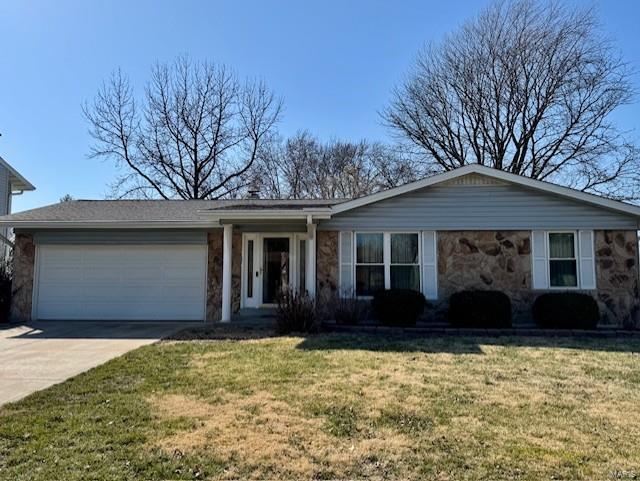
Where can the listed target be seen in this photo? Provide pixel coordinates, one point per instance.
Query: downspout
(6, 240)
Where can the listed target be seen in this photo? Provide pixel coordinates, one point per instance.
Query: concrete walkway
(40, 354)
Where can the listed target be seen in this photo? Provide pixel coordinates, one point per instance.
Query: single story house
(473, 227)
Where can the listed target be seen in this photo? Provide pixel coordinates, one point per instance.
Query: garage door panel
(136, 282)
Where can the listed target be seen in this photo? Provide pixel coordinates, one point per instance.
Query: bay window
(386, 261)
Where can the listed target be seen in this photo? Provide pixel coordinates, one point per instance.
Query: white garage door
(123, 282)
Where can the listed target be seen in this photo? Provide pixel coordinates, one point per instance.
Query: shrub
(296, 312)
(6, 277)
(480, 309)
(398, 307)
(566, 310)
(349, 310)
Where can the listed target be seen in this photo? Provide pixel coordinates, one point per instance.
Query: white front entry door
(121, 282)
(269, 262)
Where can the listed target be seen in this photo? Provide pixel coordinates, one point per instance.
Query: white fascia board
(109, 224)
(262, 214)
(17, 180)
(496, 174)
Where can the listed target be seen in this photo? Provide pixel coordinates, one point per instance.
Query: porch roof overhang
(270, 216)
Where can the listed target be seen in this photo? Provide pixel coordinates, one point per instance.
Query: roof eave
(147, 224)
(16, 179)
(289, 214)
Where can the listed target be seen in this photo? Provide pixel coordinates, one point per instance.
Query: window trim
(356, 263)
(386, 257)
(576, 258)
(418, 261)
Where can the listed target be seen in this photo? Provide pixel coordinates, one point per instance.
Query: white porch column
(227, 240)
(311, 258)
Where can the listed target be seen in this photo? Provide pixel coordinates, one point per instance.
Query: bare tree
(527, 87)
(194, 135)
(66, 198)
(304, 167)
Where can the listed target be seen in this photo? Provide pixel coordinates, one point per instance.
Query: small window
(405, 266)
(302, 267)
(249, 268)
(563, 265)
(369, 263)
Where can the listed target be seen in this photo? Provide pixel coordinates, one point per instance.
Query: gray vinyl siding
(464, 207)
(5, 191)
(5, 208)
(120, 237)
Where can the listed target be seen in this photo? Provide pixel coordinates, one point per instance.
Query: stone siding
(617, 277)
(236, 271)
(487, 260)
(24, 256)
(327, 265)
(214, 274)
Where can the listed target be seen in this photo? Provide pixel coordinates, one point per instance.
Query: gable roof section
(499, 175)
(16, 179)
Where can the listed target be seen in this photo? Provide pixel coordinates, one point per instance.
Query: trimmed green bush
(480, 309)
(398, 307)
(566, 310)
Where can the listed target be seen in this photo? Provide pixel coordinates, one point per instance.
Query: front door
(270, 262)
(275, 267)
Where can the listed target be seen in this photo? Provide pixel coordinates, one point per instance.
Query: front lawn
(338, 406)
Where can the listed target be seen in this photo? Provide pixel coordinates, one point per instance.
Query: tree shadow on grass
(454, 344)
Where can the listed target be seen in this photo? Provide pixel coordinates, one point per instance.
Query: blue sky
(334, 62)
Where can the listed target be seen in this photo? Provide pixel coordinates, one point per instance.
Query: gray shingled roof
(151, 210)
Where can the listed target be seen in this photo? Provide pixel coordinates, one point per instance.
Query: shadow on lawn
(462, 344)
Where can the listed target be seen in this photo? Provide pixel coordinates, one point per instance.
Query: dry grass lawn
(339, 406)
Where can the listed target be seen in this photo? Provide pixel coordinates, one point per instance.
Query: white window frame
(386, 258)
(356, 263)
(419, 261)
(576, 259)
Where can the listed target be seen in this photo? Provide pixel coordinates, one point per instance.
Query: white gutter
(268, 214)
(147, 224)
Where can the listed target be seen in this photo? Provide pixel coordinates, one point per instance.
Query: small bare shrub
(349, 310)
(6, 278)
(296, 312)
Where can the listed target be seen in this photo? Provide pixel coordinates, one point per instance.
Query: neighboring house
(11, 183)
(473, 227)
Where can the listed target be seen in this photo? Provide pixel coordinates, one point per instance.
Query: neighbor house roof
(17, 181)
(203, 213)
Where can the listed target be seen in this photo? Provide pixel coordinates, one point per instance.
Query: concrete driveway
(39, 354)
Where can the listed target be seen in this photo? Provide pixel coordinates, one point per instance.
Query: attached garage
(120, 281)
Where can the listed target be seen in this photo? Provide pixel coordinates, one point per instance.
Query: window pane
(302, 254)
(563, 273)
(369, 249)
(369, 279)
(405, 277)
(561, 246)
(250, 268)
(404, 248)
